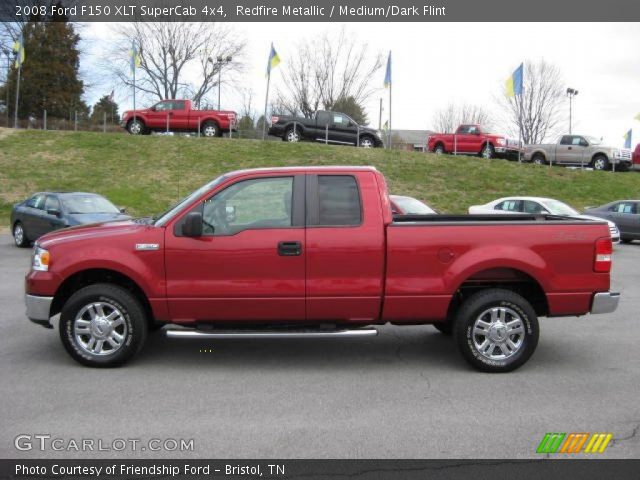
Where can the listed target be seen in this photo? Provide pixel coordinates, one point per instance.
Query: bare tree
(326, 70)
(536, 113)
(447, 119)
(174, 53)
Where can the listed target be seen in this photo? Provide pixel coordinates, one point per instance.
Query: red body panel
(636, 158)
(374, 272)
(462, 142)
(186, 119)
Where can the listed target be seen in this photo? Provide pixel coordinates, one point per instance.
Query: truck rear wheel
(496, 330)
(102, 325)
(538, 159)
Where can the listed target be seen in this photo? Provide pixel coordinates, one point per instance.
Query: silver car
(579, 150)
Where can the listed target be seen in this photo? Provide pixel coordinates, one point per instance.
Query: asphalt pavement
(406, 393)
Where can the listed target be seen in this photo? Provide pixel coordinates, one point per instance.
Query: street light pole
(6, 83)
(571, 92)
(220, 61)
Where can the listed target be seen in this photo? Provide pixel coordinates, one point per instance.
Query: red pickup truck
(178, 115)
(636, 158)
(315, 252)
(472, 139)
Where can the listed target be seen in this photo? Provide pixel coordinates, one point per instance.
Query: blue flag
(514, 82)
(627, 139)
(387, 76)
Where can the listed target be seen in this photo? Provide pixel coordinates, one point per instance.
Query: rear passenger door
(32, 219)
(625, 216)
(509, 206)
(345, 248)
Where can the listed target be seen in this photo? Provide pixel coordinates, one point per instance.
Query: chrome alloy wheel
(293, 136)
(366, 143)
(99, 328)
(498, 333)
(18, 234)
(210, 130)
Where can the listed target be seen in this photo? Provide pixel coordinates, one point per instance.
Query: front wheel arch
(88, 277)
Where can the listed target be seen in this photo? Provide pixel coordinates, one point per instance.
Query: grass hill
(146, 174)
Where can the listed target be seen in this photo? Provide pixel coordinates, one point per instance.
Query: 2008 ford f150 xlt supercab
(316, 252)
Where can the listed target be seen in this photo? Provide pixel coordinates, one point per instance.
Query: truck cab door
(464, 139)
(179, 116)
(342, 129)
(157, 116)
(249, 263)
(345, 248)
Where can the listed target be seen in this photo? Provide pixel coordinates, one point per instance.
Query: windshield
(168, 214)
(558, 208)
(78, 204)
(411, 206)
(593, 140)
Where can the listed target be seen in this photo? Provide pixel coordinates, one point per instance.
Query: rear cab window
(333, 200)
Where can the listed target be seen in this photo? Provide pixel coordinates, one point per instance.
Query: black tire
(539, 159)
(132, 329)
(367, 141)
(439, 149)
(210, 129)
(20, 236)
(136, 127)
(479, 308)
(600, 162)
(446, 327)
(488, 151)
(292, 135)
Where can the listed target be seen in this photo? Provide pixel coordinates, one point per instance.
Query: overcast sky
(438, 63)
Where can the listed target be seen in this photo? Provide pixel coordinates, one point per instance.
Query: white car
(402, 205)
(541, 206)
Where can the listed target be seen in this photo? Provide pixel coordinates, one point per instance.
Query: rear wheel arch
(508, 278)
(84, 278)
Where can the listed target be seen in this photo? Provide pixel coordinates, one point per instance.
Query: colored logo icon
(574, 443)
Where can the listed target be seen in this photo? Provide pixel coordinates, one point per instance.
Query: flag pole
(266, 102)
(390, 127)
(15, 111)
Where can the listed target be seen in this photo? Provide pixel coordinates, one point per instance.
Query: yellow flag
(638, 117)
(18, 49)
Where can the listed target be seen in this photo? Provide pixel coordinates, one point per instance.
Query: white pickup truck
(579, 150)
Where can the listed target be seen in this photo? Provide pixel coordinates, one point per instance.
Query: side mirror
(53, 211)
(153, 109)
(192, 226)
(122, 210)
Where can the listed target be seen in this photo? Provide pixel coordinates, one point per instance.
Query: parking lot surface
(404, 394)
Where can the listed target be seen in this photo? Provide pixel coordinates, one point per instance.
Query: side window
(576, 141)
(338, 201)
(566, 140)
(322, 118)
(508, 205)
(339, 120)
(626, 207)
(473, 130)
(51, 203)
(163, 106)
(464, 129)
(249, 204)
(37, 201)
(532, 207)
(613, 208)
(178, 105)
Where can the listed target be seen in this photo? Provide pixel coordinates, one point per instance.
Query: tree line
(189, 60)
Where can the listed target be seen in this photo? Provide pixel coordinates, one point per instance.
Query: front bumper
(38, 309)
(605, 302)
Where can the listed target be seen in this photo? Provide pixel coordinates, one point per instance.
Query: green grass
(146, 174)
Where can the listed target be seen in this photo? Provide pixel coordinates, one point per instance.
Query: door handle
(289, 249)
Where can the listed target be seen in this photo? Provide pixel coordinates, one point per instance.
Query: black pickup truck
(330, 127)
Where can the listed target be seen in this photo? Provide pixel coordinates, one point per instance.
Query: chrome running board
(190, 333)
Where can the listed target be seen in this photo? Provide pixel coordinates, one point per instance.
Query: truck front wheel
(210, 129)
(439, 149)
(488, 151)
(496, 330)
(136, 127)
(102, 325)
(600, 163)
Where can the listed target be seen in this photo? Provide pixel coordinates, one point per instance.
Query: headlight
(501, 142)
(41, 259)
